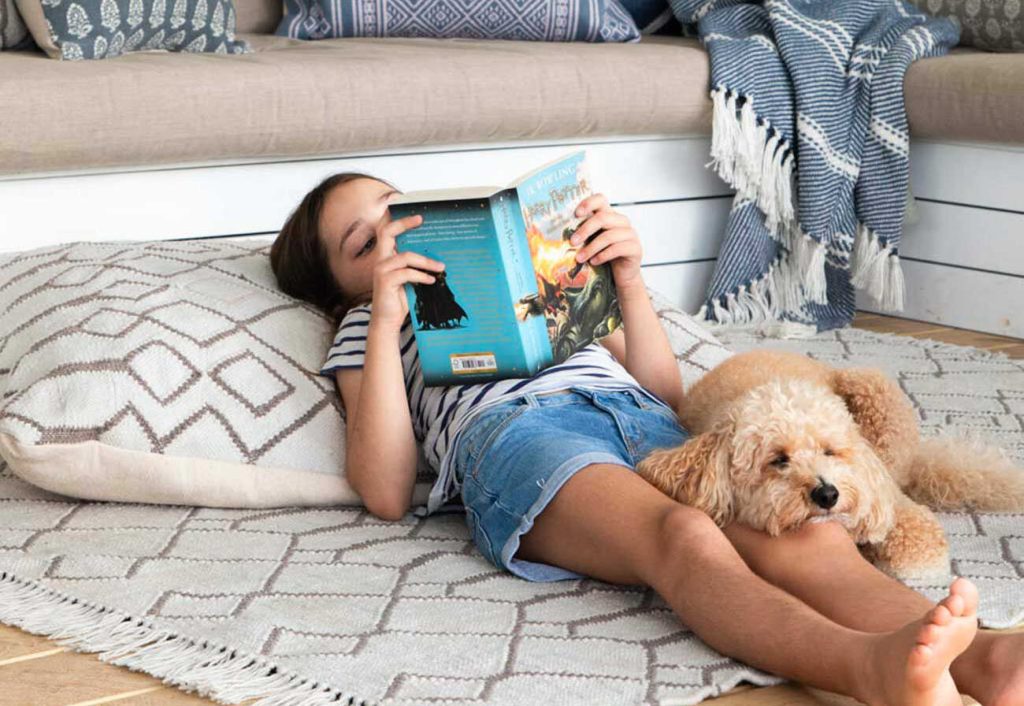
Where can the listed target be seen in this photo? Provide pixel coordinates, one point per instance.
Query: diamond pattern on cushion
(252, 382)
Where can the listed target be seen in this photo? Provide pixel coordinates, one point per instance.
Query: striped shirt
(439, 413)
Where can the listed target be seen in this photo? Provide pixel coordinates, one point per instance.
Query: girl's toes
(929, 634)
(940, 615)
(968, 592)
(919, 656)
(954, 603)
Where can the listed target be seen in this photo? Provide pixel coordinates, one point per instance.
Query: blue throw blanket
(810, 129)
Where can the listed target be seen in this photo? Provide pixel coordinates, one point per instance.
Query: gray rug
(310, 606)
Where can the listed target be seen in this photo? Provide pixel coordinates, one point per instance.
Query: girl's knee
(686, 531)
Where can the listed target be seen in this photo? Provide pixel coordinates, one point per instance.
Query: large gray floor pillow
(177, 372)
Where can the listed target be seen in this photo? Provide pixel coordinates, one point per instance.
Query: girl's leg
(820, 565)
(609, 523)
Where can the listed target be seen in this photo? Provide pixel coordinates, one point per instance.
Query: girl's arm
(380, 447)
(641, 345)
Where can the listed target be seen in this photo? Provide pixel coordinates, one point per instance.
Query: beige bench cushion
(293, 99)
(967, 95)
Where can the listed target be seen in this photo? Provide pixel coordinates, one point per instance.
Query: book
(512, 300)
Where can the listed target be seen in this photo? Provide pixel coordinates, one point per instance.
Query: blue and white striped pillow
(558, 21)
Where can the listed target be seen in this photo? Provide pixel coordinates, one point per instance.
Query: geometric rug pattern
(408, 612)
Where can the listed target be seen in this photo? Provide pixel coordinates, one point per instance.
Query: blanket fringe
(214, 671)
(756, 160)
(876, 269)
(752, 156)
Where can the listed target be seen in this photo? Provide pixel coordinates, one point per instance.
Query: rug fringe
(876, 269)
(214, 671)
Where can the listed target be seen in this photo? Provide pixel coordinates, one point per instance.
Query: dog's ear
(695, 474)
(883, 413)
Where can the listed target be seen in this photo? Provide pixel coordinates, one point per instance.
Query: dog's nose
(825, 495)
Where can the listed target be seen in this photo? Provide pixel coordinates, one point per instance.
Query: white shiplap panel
(975, 174)
(256, 198)
(967, 237)
(953, 296)
(677, 231)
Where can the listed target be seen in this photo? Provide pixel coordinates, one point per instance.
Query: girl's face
(351, 223)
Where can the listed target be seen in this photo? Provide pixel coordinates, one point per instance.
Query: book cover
(512, 299)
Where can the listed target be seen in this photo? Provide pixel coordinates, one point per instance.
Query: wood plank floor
(35, 671)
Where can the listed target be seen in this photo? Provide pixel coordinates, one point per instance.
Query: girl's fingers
(591, 204)
(396, 278)
(400, 225)
(602, 219)
(607, 238)
(412, 259)
(623, 248)
(409, 259)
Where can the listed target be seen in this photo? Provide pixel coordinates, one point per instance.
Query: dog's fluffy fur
(853, 430)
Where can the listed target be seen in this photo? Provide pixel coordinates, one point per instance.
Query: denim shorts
(513, 457)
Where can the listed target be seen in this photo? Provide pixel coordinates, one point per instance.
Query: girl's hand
(393, 270)
(618, 244)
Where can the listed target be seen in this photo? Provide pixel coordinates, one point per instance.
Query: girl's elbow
(391, 512)
(386, 505)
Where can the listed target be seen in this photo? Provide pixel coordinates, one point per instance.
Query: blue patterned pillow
(97, 29)
(541, 20)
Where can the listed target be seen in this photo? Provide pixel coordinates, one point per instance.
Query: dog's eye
(780, 460)
(830, 452)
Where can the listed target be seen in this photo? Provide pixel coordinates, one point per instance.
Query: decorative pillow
(97, 29)
(559, 21)
(177, 372)
(12, 30)
(167, 372)
(995, 25)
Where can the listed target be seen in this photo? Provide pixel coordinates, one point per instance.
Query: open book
(512, 299)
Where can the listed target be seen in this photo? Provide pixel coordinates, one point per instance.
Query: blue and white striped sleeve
(348, 350)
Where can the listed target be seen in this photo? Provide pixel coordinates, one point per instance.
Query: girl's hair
(299, 256)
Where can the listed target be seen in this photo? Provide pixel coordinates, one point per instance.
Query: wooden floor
(36, 672)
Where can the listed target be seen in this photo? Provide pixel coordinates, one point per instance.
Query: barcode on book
(473, 363)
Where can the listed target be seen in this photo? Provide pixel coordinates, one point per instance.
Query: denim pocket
(475, 433)
(488, 437)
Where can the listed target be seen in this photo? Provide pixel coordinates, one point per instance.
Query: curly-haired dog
(788, 452)
(944, 473)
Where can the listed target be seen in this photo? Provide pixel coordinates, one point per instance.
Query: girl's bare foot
(910, 667)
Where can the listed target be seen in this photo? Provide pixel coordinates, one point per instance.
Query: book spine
(537, 330)
(502, 225)
(518, 273)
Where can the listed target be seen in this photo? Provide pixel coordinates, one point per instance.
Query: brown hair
(299, 257)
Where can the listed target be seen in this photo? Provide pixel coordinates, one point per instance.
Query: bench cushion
(293, 99)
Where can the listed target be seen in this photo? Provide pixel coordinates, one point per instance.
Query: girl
(544, 470)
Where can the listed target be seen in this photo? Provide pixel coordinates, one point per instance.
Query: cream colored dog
(788, 452)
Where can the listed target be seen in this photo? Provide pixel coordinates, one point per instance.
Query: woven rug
(309, 606)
